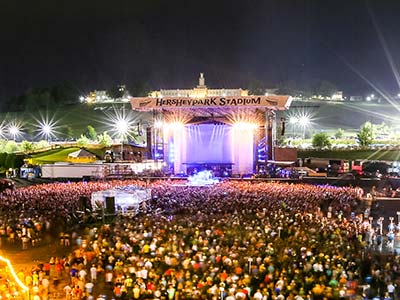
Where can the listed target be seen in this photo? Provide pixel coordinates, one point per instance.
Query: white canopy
(127, 198)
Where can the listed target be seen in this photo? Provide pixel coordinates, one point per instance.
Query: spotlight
(244, 126)
(304, 120)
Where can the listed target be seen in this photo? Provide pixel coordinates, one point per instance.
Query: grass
(76, 117)
(79, 116)
(61, 154)
(52, 156)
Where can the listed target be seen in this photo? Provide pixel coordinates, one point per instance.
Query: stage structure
(202, 178)
(125, 199)
(228, 133)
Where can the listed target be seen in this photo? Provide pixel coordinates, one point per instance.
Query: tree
(139, 89)
(256, 87)
(3, 157)
(339, 133)
(3, 145)
(325, 88)
(41, 144)
(321, 140)
(366, 134)
(68, 132)
(38, 98)
(48, 98)
(11, 147)
(115, 92)
(14, 104)
(65, 93)
(91, 133)
(104, 139)
(383, 129)
(82, 141)
(26, 146)
(287, 88)
(10, 161)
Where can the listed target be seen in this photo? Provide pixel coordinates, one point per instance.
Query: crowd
(232, 240)
(27, 212)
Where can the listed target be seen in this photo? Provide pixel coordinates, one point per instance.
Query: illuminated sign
(273, 102)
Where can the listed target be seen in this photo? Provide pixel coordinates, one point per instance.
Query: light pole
(47, 131)
(304, 121)
(14, 131)
(158, 136)
(122, 128)
(3, 131)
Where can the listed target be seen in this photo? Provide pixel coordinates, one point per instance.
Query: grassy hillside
(73, 118)
(52, 156)
(325, 115)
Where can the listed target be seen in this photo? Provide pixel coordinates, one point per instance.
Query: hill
(72, 120)
(331, 115)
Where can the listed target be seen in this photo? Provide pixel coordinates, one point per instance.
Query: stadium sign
(272, 102)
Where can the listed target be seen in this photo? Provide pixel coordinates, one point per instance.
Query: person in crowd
(234, 239)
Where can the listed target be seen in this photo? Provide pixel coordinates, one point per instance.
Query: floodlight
(122, 126)
(14, 130)
(304, 120)
(293, 120)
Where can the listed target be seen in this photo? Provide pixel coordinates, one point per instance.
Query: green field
(74, 119)
(52, 156)
(61, 154)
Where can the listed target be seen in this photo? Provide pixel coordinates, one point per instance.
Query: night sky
(166, 43)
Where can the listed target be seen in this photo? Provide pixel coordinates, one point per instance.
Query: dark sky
(167, 43)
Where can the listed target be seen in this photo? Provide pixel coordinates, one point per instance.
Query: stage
(235, 139)
(231, 134)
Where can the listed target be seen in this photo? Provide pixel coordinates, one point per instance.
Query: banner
(272, 102)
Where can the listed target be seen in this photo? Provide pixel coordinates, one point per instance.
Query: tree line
(64, 93)
(366, 135)
(68, 92)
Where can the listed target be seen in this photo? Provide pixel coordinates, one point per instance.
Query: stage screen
(209, 143)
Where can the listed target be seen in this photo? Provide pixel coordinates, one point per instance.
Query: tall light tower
(47, 131)
(304, 121)
(14, 130)
(122, 127)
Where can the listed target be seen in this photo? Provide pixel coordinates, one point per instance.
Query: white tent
(81, 155)
(127, 199)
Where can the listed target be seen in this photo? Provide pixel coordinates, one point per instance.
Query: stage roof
(273, 102)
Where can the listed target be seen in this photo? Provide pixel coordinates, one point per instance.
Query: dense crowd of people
(232, 240)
